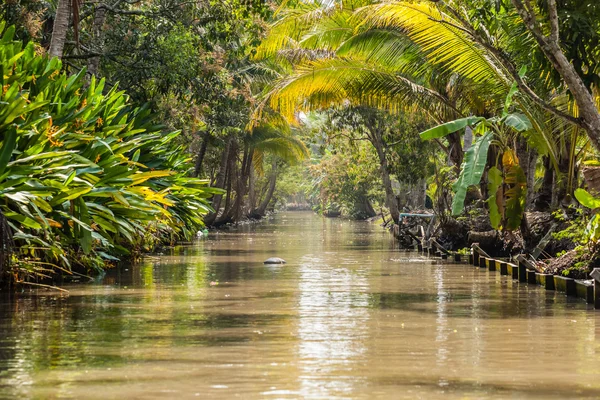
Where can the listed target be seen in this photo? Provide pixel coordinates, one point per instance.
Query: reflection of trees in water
(13, 366)
(332, 326)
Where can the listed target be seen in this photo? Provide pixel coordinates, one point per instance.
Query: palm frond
(439, 36)
(293, 24)
(325, 83)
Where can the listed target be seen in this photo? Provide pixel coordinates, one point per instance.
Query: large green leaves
(8, 145)
(84, 170)
(471, 171)
(586, 199)
(449, 127)
(518, 122)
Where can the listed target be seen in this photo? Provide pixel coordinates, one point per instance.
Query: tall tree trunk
(242, 186)
(201, 154)
(365, 209)
(232, 181)
(226, 215)
(262, 208)
(220, 182)
(60, 28)
(390, 197)
(252, 190)
(98, 39)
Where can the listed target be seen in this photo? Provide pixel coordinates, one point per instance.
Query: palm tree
(280, 144)
(61, 25)
(336, 61)
(419, 57)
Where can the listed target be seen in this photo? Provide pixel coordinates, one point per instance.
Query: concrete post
(596, 275)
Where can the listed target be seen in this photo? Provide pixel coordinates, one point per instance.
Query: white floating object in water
(274, 260)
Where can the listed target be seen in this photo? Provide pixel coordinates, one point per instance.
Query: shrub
(85, 177)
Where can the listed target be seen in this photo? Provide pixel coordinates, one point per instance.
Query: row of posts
(524, 271)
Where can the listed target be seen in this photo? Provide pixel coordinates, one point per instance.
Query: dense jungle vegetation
(126, 125)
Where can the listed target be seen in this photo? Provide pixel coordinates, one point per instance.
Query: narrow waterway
(348, 317)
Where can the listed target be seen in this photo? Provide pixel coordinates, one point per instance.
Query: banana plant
(507, 185)
(590, 201)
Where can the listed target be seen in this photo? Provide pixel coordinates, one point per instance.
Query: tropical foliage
(469, 107)
(464, 67)
(85, 177)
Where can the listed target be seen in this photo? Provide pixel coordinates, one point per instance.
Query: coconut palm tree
(258, 143)
(419, 56)
(64, 10)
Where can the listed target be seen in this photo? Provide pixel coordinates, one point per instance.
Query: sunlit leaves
(471, 171)
(586, 199)
(449, 127)
(85, 170)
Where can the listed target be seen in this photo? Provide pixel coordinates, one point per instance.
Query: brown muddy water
(348, 317)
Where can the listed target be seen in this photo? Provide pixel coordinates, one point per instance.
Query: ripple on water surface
(349, 316)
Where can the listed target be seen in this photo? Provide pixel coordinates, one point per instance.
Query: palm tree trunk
(241, 185)
(60, 28)
(252, 190)
(232, 180)
(220, 183)
(201, 154)
(390, 197)
(262, 208)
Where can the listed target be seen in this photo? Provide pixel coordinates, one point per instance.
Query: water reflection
(332, 327)
(349, 316)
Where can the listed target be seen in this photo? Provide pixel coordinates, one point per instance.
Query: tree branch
(553, 15)
(507, 63)
(83, 56)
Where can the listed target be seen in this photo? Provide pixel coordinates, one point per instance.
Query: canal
(348, 317)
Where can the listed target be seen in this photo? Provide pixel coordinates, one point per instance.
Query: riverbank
(554, 243)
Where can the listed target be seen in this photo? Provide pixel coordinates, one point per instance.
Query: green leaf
(507, 103)
(586, 199)
(86, 235)
(23, 220)
(8, 35)
(518, 121)
(523, 71)
(449, 127)
(107, 256)
(8, 145)
(471, 171)
(593, 229)
(70, 178)
(495, 200)
(70, 195)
